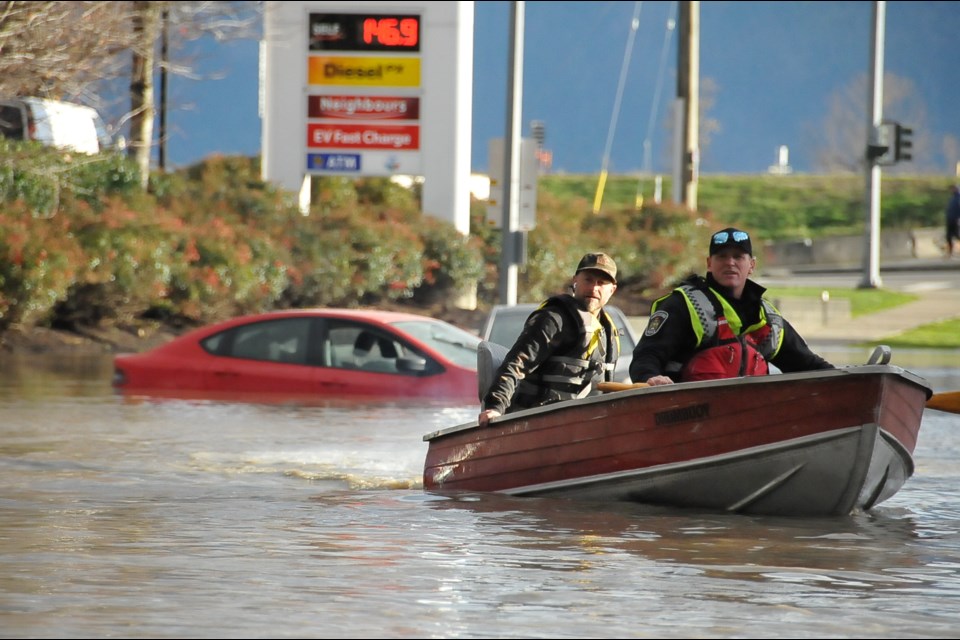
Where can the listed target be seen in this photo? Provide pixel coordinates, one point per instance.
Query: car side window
(365, 348)
(285, 340)
(11, 122)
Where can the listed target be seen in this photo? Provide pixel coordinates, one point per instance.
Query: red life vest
(721, 351)
(733, 357)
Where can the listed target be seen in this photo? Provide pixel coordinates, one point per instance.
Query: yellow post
(599, 197)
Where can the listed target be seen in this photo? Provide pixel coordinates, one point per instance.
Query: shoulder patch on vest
(657, 320)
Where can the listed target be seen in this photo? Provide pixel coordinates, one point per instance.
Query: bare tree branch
(78, 51)
(60, 49)
(841, 141)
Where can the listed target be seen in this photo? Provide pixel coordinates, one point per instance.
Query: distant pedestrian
(953, 219)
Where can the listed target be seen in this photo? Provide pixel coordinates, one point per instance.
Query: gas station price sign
(364, 32)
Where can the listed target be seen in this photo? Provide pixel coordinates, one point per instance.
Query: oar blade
(948, 401)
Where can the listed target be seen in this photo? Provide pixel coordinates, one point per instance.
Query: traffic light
(880, 144)
(539, 130)
(903, 147)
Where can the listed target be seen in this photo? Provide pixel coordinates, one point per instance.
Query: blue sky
(775, 66)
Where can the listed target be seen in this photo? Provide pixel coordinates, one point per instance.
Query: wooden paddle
(948, 401)
(620, 386)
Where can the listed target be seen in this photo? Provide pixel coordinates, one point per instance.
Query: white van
(64, 125)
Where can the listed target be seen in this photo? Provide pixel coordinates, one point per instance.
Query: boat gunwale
(779, 378)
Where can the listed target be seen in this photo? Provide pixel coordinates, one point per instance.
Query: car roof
(528, 307)
(533, 305)
(376, 315)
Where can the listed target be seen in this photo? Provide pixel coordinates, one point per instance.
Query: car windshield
(456, 344)
(507, 325)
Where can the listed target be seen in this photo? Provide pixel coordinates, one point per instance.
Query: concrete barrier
(848, 251)
(929, 243)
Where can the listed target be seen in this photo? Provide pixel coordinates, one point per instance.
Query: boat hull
(819, 443)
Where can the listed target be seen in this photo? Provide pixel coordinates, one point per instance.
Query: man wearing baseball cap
(567, 345)
(719, 326)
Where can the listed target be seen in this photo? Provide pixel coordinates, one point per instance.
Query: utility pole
(164, 56)
(871, 254)
(510, 245)
(688, 104)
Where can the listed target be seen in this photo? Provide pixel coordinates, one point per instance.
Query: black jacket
(547, 349)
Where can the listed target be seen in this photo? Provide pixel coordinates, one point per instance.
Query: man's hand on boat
(485, 416)
(656, 381)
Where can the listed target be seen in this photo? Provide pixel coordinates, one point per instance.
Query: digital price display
(364, 32)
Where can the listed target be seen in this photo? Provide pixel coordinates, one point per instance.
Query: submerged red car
(310, 353)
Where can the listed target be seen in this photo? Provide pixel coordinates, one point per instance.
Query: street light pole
(871, 256)
(510, 245)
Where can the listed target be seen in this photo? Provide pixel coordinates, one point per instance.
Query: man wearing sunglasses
(719, 326)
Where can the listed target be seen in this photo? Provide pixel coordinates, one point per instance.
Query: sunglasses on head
(722, 236)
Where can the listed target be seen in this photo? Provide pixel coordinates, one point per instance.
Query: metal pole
(511, 172)
(164, 19)
(688, 100)
(871, 257)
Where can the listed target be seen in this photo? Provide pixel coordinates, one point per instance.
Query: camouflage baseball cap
(599, 262)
